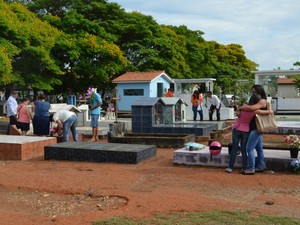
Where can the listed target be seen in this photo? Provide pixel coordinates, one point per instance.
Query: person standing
(95, 111)
(23, 116)
(232, 103)
(196, 100)
(41, 122)
(214, 105)
(255, 137)
(11, 110)
(196, 87)
(169, 93)
(66, 120)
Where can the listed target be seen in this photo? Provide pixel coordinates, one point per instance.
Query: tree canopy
(79, 43)
(25, 48)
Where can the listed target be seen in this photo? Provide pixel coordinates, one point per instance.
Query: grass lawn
(206, 218)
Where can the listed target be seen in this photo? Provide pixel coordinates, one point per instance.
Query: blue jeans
(70, 124)
(211, 112)
(255, 142)
(194, 108)
(238, 137)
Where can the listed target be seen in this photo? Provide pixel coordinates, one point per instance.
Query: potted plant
(294, 142)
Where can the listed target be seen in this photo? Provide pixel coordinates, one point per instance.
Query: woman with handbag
(255, 137)
(196, 100)
(240, 133)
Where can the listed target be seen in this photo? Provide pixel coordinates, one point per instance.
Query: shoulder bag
(265, 122)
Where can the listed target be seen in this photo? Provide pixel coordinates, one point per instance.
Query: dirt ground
(39, 192)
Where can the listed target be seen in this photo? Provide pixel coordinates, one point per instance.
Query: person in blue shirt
(95, 110)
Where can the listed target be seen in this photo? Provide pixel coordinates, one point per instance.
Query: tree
(102, 41)
(87, 55)
(231, 65)
(25, 49)
(197, 54)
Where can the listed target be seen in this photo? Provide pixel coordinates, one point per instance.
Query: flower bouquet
(294, 142)
(90, 94)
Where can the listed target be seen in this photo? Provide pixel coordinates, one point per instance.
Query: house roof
(285, 81)
(140, 77)
(172, 100)
(143, 101)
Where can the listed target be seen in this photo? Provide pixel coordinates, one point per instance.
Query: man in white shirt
(214, 104)
(66, 120)
(11, 109)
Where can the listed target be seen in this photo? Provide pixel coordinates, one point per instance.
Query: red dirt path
(42, 192)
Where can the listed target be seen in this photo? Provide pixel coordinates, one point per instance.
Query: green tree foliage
(296, 64)
(138, 36)
(7, 51)
(88, 55)
(102, 41)
(91, 62)
(230, 65)
(25, 48)
(196, 53)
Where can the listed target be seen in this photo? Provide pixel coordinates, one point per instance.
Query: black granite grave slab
(160, 140)
(99, 152)
(185, 128)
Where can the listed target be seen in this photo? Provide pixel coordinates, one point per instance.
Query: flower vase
(294, 152)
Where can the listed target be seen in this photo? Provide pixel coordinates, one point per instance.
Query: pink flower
(90, 94)
(293, 140)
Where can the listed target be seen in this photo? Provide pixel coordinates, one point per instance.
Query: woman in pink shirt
(240, 132)
(23, 116)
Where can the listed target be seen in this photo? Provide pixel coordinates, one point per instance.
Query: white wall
(287, 90)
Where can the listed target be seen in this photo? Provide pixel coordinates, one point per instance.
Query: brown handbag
(265, 122)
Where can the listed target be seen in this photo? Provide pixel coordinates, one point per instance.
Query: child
(110, 113)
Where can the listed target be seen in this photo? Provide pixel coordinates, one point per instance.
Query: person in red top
(169, 93)
(23, 116)
(196, 100)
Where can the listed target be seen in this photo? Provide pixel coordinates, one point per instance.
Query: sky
(267, 30)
